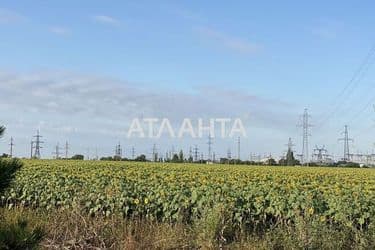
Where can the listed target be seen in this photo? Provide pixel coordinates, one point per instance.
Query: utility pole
(37, 144)
(11, 144)
(238, 148)
(346, 140)
(305, 137)
(209, 147)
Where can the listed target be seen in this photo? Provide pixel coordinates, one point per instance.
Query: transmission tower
(154, 153)
(209, 147)
(37, 145)
(229, 154)
(305, 137)
(320, 153)
(346, 140)
(196, 152)
(11, 144)
(57, 151)
(118, 151)
(133, 153)
(66, 149)
(290, 145)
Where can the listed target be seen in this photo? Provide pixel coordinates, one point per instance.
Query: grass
(72, 229)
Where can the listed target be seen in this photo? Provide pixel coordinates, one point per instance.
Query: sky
(81, 72)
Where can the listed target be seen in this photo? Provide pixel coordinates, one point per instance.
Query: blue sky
(267, 60)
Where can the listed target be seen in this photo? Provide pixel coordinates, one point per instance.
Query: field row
(182, 192)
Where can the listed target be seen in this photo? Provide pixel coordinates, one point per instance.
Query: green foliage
(77, 157)
(19, 236)
(15, 235)
(175, 158)
(171, 192)
(141, 158)
(8, 169)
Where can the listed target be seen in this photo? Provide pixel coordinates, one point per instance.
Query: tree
(141, 158)
(271, 162)
(77, 157)
(181, 156)
(175, 158)
(190, 159)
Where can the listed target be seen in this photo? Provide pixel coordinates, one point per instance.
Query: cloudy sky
(82, 72)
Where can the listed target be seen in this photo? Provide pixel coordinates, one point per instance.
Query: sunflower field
(182, 192)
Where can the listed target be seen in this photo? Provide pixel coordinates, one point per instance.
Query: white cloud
(61, 31)
(93, 109)
(106, 20)
(236, 44)
(8, 16)
(117, 101)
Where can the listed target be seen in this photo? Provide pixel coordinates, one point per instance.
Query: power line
(352, 83)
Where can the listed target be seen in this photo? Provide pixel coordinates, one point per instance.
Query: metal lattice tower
(11, 144)
(118, 151)
(196, 152)
(305, 137)
(133, 153)
(346, 140)
(290, 145)
(209, 147)
(57, 151)
(320, 153)
(66, 149)
(154, 153)
(96, 153)
(229, 154)
(37, 145)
